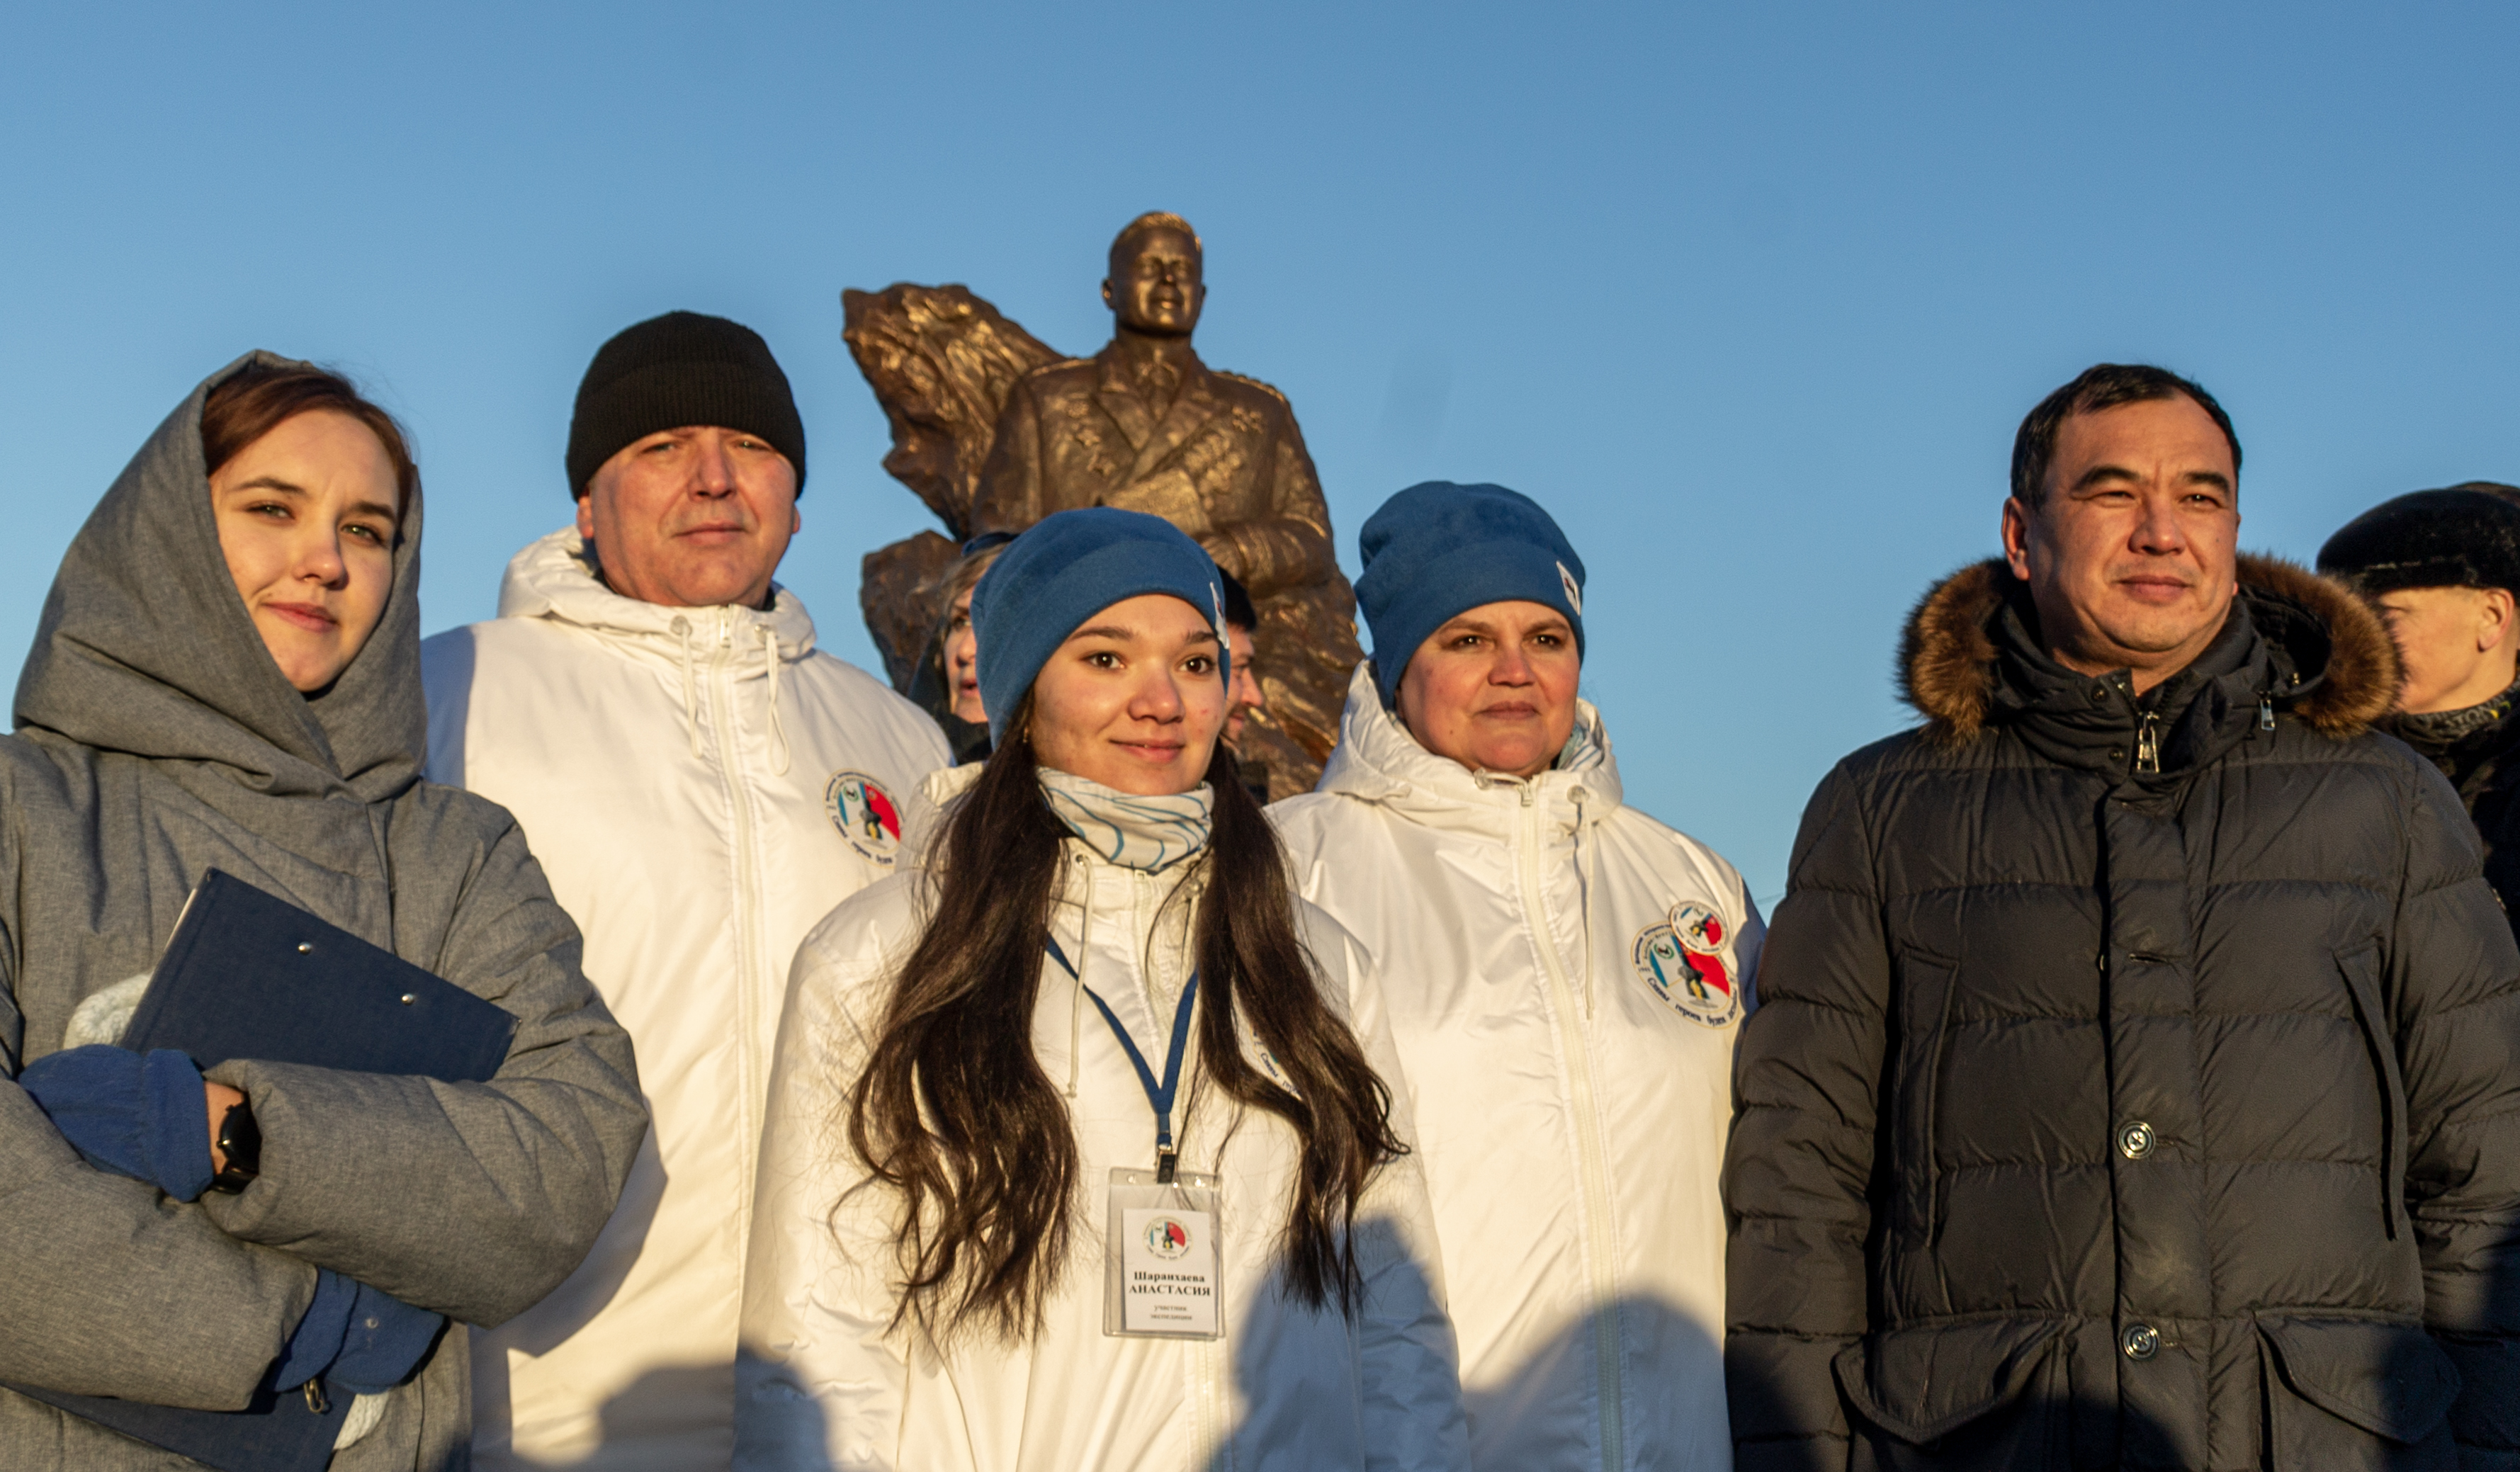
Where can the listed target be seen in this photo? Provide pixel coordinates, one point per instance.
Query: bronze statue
(1142, 425)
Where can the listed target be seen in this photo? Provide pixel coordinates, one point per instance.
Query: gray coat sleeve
(471, 1200)
(114, 1290)
(1797, 1173)
(2453, 976)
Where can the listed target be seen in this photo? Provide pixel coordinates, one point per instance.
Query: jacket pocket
(1922, 1384)
(2390, 1380)
(2361, 968)
(1925, 987)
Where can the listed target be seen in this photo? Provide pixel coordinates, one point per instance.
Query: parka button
(2135, 1140)
(2139, 1341)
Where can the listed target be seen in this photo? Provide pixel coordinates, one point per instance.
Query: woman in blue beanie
(1575, 974)
(1077, 1156)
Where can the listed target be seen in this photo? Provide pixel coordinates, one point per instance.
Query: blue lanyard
(1160, 1095)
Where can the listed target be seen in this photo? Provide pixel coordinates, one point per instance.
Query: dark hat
(1437, 549)
(676, 370)
(2466, 536)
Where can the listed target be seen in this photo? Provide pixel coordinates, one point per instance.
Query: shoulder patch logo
(864, 813)
(1695, 983)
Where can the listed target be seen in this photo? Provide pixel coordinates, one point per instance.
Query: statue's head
(1155, 285)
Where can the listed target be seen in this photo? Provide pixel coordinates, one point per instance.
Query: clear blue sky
(1751, 298)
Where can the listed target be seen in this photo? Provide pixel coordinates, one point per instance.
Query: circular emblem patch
(1694, 982)
(864, 813)
(1167, 1238)
(1699, 929)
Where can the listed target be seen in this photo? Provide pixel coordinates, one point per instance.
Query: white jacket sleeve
(1411, 1367)
(821, 1378)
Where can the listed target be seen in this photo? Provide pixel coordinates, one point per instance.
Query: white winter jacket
(1566, 978)
(826, 1384)
(700, 786)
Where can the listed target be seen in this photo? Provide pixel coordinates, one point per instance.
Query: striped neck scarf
(1149, 834)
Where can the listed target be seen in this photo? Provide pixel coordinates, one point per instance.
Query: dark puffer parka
(2096, 1116)
(2485, 767)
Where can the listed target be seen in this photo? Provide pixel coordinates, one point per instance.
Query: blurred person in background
(2444, 569)
(702, 785)
(947, 684)
(1244, 696)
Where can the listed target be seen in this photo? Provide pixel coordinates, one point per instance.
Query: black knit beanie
(676, 370)
(2467, 536)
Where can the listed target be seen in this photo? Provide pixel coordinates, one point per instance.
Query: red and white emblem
(864, 813)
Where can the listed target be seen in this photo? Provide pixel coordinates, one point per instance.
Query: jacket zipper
(1593, 1165)
(739, 795)
(2147, 743)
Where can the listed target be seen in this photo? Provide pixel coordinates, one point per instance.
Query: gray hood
(158, 739)
(146, 649)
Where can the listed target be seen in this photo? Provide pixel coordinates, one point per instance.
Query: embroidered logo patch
(1695, 982)
(864, 813)
(1574, 595)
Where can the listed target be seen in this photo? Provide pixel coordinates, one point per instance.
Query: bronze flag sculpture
(995, 431)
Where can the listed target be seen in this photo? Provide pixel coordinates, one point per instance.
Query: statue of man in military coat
(995, 430)
(1146, 426)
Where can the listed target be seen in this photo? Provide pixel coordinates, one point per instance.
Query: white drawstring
(778, 733)
(1584, 896)
(691, 685)
(1076, 992)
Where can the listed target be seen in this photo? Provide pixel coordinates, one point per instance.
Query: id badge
(1163, 1261)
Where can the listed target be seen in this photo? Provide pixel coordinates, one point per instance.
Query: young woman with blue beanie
(1077, 1156)
(1567, 977)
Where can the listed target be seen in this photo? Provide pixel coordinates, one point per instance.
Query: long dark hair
(956, 1114)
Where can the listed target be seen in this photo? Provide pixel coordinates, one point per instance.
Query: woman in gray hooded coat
(171, 719)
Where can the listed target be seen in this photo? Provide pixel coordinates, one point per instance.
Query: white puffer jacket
(696, 815)
(1565, 1018)
(826, 1385)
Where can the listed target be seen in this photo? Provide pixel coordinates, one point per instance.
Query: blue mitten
(365, 1340)
(142, 1117)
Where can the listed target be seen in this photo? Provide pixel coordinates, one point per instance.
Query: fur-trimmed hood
(1948, 665)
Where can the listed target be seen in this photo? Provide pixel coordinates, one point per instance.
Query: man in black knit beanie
(673, 396)
(701, 783)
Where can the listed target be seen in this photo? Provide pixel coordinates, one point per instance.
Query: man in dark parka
(2134, 1080)
(2444, 569)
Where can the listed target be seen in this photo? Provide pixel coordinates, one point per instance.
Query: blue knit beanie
(1437, 549)
(1062, 572)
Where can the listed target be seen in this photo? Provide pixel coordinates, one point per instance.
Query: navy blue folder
(249, 975)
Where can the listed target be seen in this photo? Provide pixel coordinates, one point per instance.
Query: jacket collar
(1194, 402)
(554, 577)
(1379, 761)
(2299, 642)
(2469, 752)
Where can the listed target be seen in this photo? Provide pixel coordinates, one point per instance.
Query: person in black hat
(2444, 569)
(701, 783)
